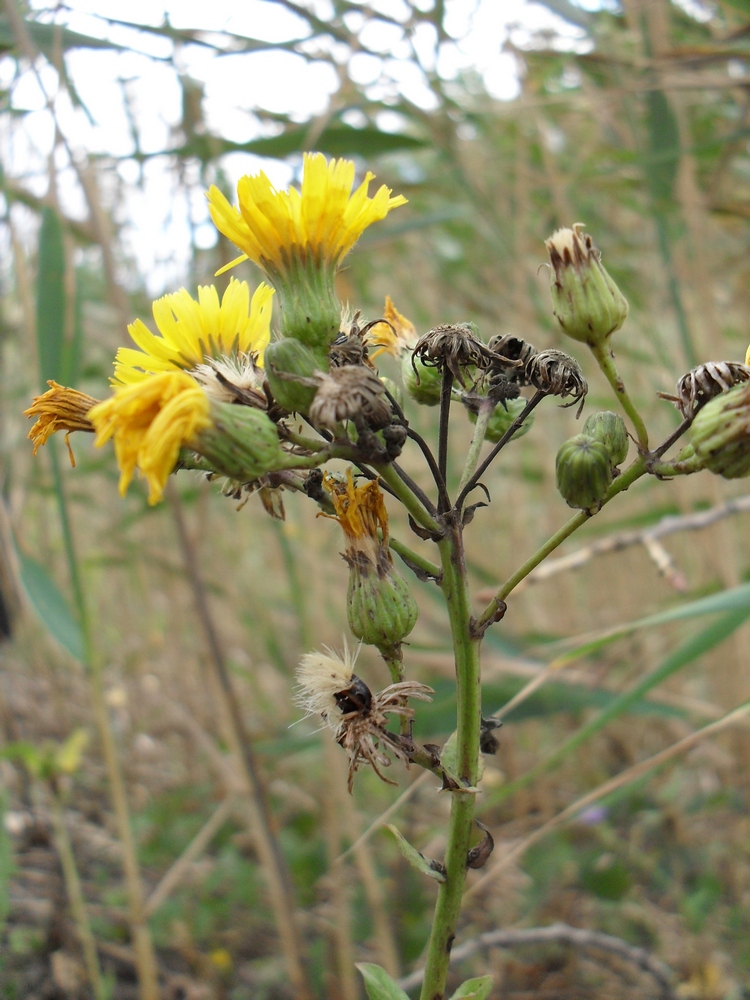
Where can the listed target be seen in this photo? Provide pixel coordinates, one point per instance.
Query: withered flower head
(557, 374)
(352, 392)
(701, 384)
(59, 409)
(380, 608)
(452, 346)
(512, 353)
(328, 686)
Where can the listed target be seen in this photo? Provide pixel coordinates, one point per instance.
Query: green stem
(75, 898)
(145, 958)
(486, 409)
(606, 361)
(636, 470)
(468, 712)
(407, 498)
(413, 559)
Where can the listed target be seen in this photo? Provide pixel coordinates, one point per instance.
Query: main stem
(468, 712)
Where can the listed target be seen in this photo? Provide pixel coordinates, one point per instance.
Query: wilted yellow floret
(193, 332)
(399, 336)
(59, 409)
(150, 421)
(325, 219)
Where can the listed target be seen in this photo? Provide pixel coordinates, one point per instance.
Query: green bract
(584, 472)
(588, 305)
(609, 429)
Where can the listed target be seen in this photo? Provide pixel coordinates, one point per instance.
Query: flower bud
(379, 606)
(502, 418)
(289, 366)
(584, 472)
(720, 433)
(423, 384)
(588, 305)
(609, 429)
(240, 442)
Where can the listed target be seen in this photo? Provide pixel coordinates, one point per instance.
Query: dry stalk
(272, 861)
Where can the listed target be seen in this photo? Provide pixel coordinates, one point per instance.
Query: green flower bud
(609, 429)
(588, 305)
(421, 382)
(720, 433)
(501, 420)
(240, 442)
(286, 361)
(584, 472)
(379, 606)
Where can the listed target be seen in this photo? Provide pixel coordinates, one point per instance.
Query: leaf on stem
(379, 984)
(427, 866)
(474, 989)
(51, 606)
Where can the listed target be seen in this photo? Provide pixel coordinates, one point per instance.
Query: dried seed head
(588, 305)
(352, 392)
(558, 374)
(452, 346)
(321, 678)
(512, 355)
(701, 384)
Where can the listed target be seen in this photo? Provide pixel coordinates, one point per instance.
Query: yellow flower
(323, 220)
(396, 335)
(59, 409)
(747, 357)
(150, 421)
(195, 332)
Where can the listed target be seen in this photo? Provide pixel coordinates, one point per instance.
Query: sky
(139, 89)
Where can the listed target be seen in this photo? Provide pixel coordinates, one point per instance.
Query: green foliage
(379, 984)
(478, 988)
(430, 868)
(51, 606)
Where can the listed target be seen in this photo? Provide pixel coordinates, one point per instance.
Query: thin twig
(534, 401)
(575, 937)
(424, 448)
(418, 492)
(192, 852)
(623, 539)
(269, 852)
(445, 409)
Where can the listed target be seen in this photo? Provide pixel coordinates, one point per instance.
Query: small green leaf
(433, 869)
(449, 758)
(474, 989)
(51, 606)
(379, 984)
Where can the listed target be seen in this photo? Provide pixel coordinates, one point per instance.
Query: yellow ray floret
(192, 332)
(324, 219)
(150, 421)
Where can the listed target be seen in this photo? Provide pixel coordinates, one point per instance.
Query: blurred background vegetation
(634, 118)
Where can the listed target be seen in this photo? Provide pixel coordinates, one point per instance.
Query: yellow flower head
(324, 220)
(399, 336)
(193, 333)
(150, 421)
(747, 357)
(59, 409)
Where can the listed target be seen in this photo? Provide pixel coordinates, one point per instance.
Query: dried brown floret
(705, 382)
(452, 346)
(557, 374)
(352, 392)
